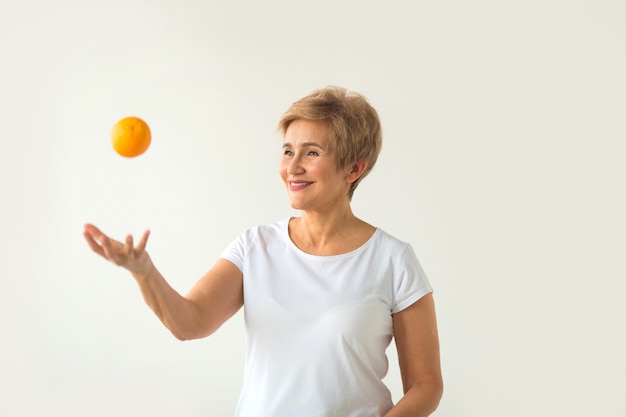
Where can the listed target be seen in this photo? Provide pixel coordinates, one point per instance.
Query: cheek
(282, 168)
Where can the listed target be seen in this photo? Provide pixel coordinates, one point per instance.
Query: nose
(295, 166)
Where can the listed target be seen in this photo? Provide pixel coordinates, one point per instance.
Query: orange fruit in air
(131, 137)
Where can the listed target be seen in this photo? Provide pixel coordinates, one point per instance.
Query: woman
(323, 293)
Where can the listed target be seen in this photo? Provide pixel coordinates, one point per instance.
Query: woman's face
(309, 170)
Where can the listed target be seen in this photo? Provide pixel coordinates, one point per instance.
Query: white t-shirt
(317, 327)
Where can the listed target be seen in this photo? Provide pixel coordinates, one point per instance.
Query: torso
(321, 324)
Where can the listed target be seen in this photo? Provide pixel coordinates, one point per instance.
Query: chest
(319, 300)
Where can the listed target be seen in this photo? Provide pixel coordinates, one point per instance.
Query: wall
(502, 165)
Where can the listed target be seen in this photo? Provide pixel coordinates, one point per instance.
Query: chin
(297, 205)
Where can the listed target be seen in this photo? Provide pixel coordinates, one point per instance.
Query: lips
(299, 185)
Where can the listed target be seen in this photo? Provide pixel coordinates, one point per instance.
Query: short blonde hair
(356, 133)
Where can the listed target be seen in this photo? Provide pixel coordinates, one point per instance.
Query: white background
(503, 165)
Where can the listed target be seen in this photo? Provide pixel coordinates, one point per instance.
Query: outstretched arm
(212, 300)
(417, 341)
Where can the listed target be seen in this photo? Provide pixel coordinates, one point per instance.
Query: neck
(328, 233)
(319, 225)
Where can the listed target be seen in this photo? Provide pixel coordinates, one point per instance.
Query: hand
(133, 258)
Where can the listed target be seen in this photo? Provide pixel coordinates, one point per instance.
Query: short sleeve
(235, 252)
(410, 283)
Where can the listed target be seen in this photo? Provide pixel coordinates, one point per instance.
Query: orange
(131, 136)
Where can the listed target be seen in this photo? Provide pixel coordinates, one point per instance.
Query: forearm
(177, 313)
(420, 400)
(181, 315)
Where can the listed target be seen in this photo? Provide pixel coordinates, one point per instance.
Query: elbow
(425, 396)
(181, 336)
(196, 324)
(179, 331)
(184, 336)
(191, 332)
(436, 393)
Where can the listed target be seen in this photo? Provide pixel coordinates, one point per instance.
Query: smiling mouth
(299, 185)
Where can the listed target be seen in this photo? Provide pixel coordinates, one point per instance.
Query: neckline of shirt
(368, 242)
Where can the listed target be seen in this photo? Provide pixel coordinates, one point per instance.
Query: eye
(287, 152)
(313, 153)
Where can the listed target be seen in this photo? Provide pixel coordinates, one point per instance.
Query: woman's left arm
(417, 341)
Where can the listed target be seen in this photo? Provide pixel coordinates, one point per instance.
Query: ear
(355, 171)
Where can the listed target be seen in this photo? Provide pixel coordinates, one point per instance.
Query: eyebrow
(305, 145)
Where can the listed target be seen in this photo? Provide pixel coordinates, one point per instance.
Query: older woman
(323, 293)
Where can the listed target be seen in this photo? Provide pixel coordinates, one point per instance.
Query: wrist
(145, 272)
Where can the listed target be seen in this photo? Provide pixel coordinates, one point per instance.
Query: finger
(91, 227)
(111, 248)
(105, 244)
(93, 244)
(95, 233)
(128, 246)
(143, 241)
(93, 230)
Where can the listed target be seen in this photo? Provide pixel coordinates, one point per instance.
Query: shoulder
(397, 252)
(263, 234)
(386, 242)
(266, 230)
(260, 239)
